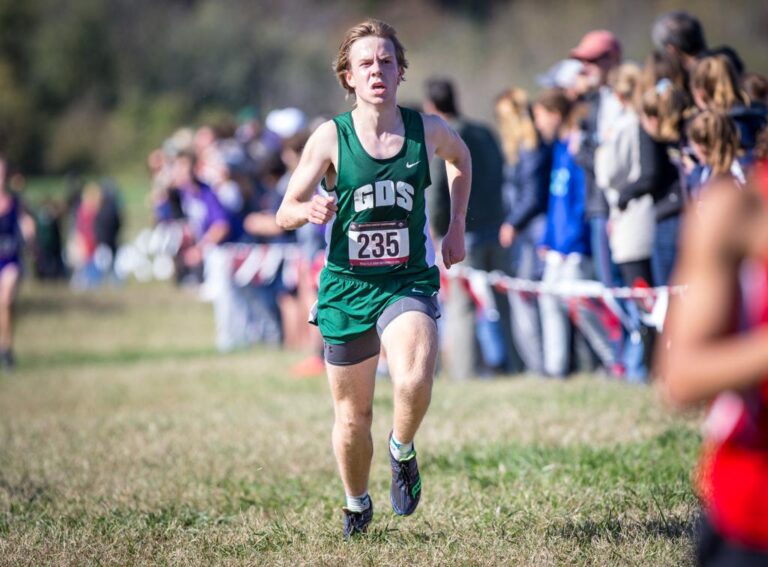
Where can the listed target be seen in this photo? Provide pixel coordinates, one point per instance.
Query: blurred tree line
(92, 85)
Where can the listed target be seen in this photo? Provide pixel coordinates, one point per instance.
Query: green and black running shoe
(405, 490)
(357, 522)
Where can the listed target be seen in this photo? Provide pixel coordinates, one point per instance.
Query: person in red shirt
(717, 353)
(86, 216)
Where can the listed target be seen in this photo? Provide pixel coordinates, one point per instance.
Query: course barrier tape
(653, 301)
(151, 254)
(574, 288)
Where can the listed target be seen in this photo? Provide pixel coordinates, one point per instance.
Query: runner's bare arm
(705, 356)
(446, 144)
(27, 226)
(300, 204)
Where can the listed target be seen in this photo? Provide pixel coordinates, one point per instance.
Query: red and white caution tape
(573, 288)
(653, 300)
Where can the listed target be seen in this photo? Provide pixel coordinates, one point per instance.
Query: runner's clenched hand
(453, 245)
(321, 209)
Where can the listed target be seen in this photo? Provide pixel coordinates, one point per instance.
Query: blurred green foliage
(92, 85)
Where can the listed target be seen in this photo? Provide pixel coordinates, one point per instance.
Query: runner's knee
(412, 385)
(354, 419)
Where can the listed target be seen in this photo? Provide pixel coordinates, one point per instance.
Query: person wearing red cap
(599, 52)
(599, 47)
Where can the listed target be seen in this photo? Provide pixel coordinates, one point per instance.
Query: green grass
(126, 439)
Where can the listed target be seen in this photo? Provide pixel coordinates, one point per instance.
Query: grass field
(125, 439)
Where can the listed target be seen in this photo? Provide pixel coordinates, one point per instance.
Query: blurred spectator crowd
(219, 189)
(589, 178)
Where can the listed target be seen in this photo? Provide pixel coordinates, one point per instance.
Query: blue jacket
(527, 186)
(567, 230)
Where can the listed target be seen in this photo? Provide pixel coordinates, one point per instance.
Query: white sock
(400, 451)
(358, 503)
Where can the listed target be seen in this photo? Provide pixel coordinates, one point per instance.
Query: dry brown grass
(125, 439)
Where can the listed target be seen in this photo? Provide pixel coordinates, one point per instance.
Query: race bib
(378, 243)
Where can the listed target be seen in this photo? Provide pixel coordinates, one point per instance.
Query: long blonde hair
(716, 133)
(715, 81)
(660, 65)
(668, 104)
(516, 126)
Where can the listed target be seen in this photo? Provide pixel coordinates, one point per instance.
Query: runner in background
(16, 226)
(715, 350)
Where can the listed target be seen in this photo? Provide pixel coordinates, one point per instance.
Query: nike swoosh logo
(410, 165)
(417, 291)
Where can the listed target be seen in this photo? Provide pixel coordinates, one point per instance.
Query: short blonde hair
(375, 28)
(516, 127)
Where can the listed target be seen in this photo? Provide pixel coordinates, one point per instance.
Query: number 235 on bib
(378, 243)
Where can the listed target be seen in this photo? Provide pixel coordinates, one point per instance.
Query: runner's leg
(411, 344)
(352, 389)
(9, 279)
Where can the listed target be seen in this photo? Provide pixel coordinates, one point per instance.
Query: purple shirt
(202, 209)
(10, 233)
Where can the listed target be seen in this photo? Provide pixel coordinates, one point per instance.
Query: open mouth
(378, 87)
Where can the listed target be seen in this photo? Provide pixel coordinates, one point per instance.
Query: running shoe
(405, 490)
(7, 360)
(357, 522)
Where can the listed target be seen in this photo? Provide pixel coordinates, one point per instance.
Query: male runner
(717, 333)
(380, 281)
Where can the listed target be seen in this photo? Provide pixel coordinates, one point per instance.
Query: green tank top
(380, 227)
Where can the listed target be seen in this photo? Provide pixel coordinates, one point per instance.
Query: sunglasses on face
(596, 60)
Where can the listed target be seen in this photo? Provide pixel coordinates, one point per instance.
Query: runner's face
(373, 70)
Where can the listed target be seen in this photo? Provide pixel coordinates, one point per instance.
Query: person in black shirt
(485, 214)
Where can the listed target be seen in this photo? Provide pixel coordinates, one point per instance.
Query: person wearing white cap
(286, 122)
(566, 74)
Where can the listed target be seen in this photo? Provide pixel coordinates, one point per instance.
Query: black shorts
(369, 343)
